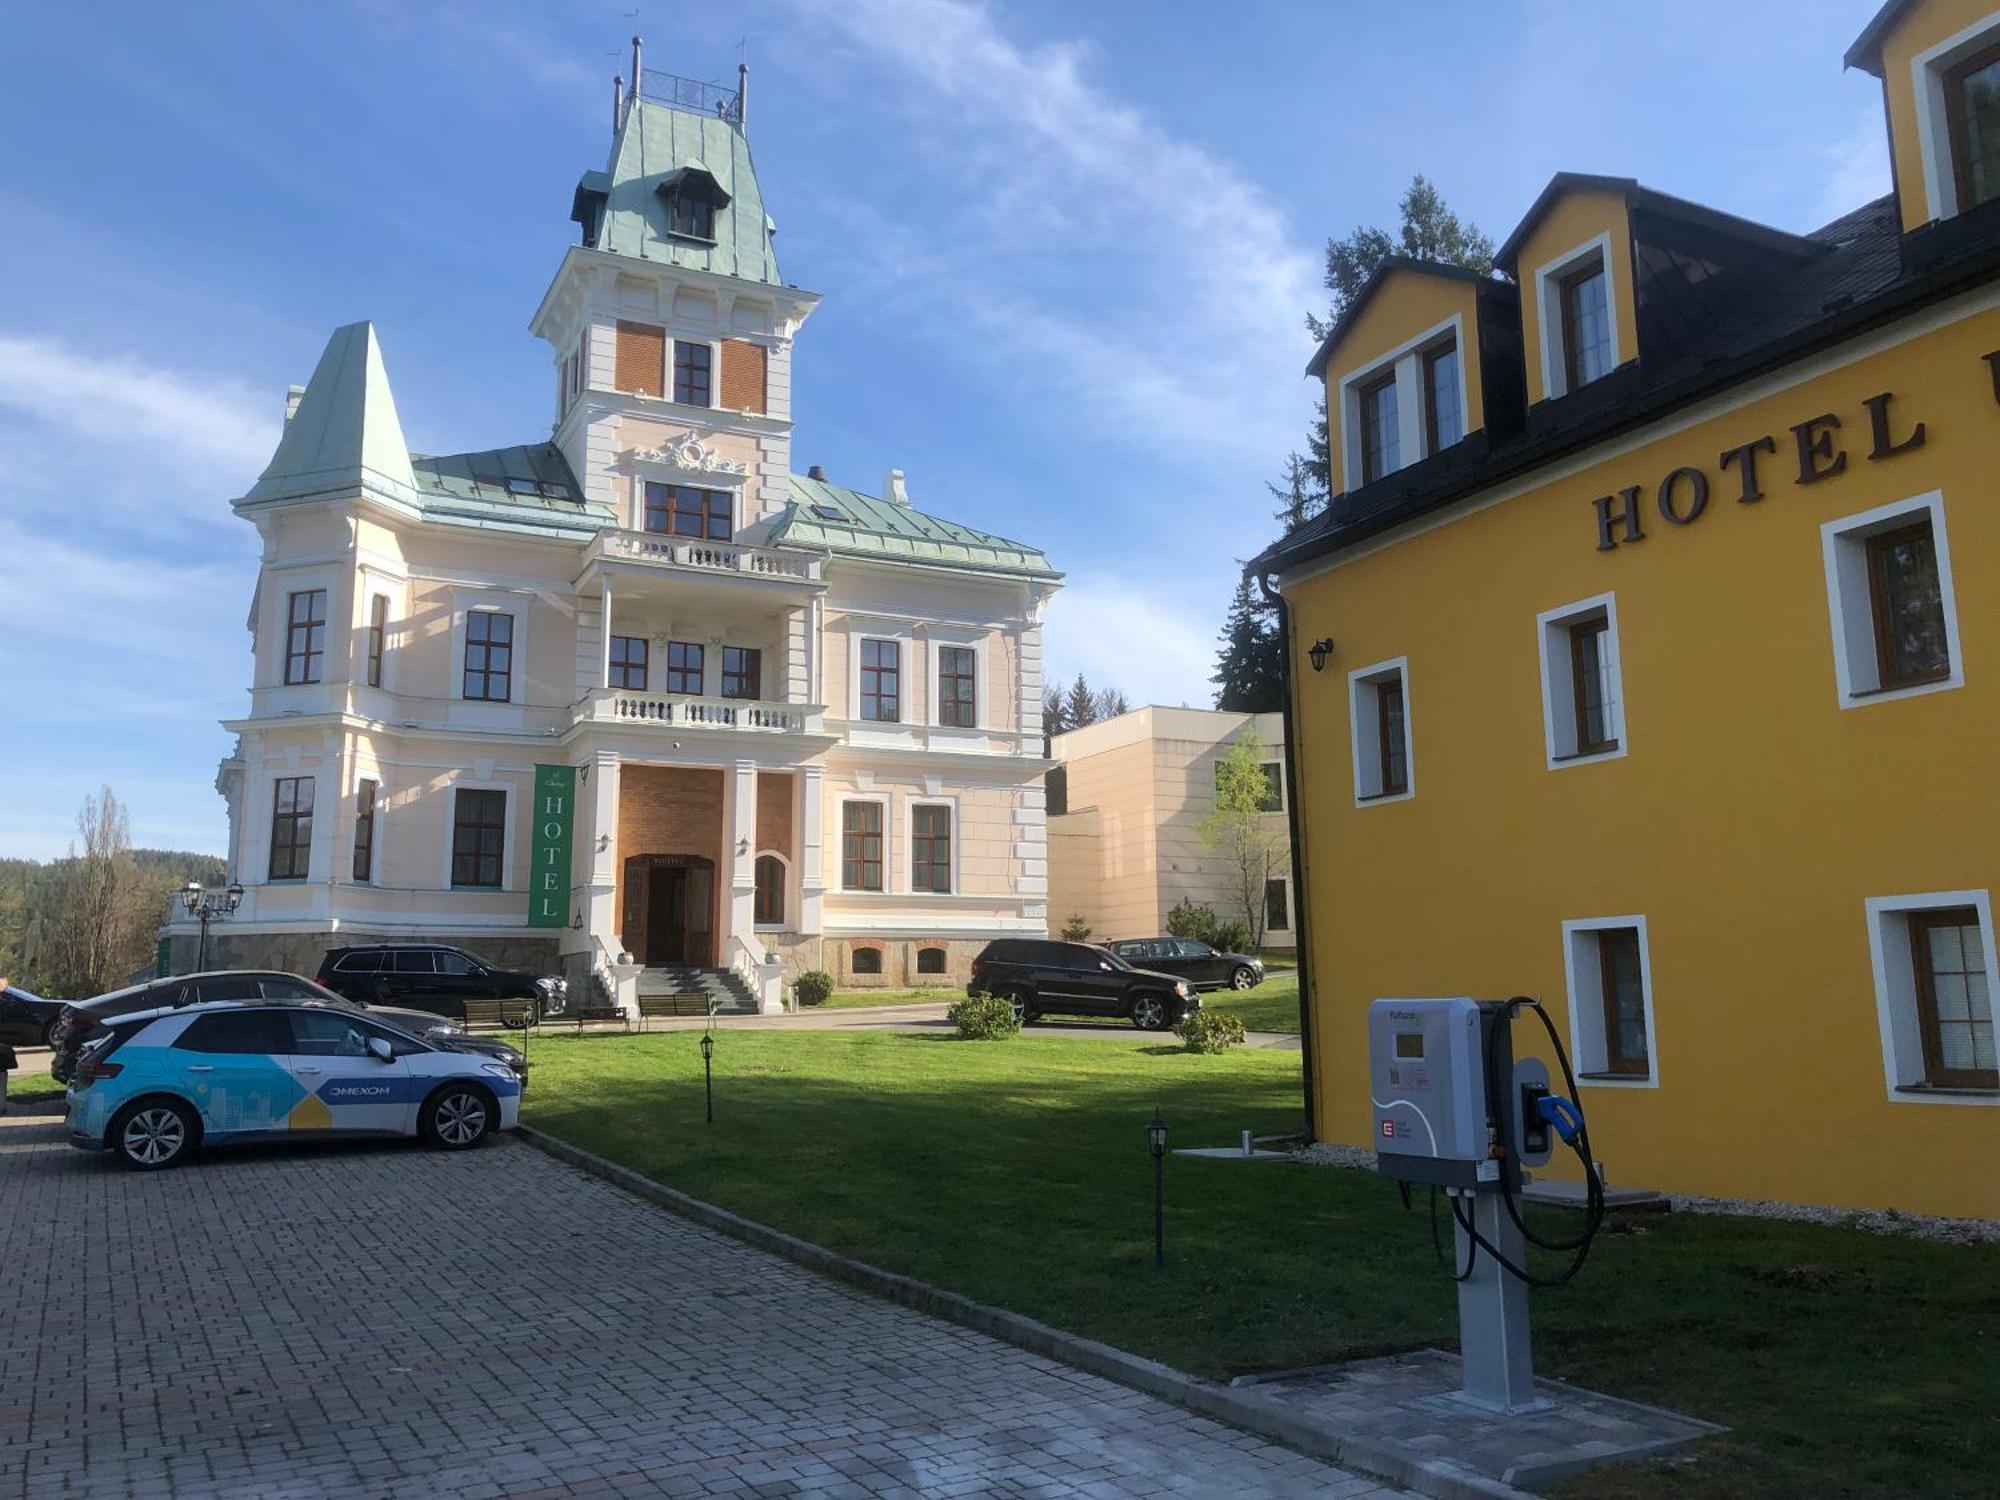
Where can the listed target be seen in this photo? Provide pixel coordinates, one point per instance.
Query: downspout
(1301, 910)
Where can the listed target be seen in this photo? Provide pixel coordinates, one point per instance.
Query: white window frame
(909, 815)
(273, 771)
(1548, 310)
(906, 654)
(933, 668)
(1850, 605)
(791, 884)
(1893, 962)
(467, 601)
(1552, 627)
(1407, 359)
(287, 580)
(369, 594)
(1927, 70)
(889, 869)
(509, 827)
(1584, 981)
(714, 375)
(1291, 916)
(374, 880)
(1362, 708)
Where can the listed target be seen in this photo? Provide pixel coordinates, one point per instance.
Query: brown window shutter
(642, 358)
(742, 375)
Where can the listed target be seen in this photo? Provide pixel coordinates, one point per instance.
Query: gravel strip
(1869, 1221)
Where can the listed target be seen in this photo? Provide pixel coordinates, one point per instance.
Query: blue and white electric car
(162, 1082)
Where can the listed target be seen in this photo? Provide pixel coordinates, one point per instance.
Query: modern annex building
(1660, 671)
(1125, 847)
(637, 688)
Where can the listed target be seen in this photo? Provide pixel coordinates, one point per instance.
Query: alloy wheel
(153, 1137)
(1242, 979)
(461, 1119)
(1149, 1013)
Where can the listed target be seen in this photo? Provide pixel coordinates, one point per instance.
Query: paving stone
(373, 1320)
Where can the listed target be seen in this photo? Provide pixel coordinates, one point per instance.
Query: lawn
(1272, 1006)
(851, 999)
(1846, 1364)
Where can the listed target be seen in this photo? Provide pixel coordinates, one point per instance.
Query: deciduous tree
(1238, 831)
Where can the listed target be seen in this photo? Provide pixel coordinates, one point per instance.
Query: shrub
(1210, 1031)
(986, 1018)
(1075, 930)
(1229, 937)
(1191, 919)
(812, 987)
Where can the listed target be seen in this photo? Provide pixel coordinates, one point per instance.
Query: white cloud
(1855, 168)
(1154, 645)
(1153, 286)
(213, 431)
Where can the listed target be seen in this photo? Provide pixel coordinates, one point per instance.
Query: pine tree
(1111, 703)
(1079, 705)
(1429, 231)
(1299, 496)
(1247, 676)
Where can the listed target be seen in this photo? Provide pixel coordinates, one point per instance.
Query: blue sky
(1065, 251)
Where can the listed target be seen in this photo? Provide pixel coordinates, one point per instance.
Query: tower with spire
(634, 706)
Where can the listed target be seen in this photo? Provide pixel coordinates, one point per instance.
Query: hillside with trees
(83, 924)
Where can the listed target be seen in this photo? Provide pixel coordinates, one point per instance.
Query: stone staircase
(690, 990)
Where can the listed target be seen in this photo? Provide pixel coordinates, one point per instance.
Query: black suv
(1200, 965)
(433, 977)
(1039, 977)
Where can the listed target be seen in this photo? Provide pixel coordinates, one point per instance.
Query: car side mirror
(380, 1050)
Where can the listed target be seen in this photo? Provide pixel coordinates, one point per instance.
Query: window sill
(681, 236)
(1901, 687)
(1384, 797)
(1948, 1090)
(1605, 1077)
(1602, 752)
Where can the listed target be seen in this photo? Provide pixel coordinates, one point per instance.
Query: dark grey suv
(1041, 977)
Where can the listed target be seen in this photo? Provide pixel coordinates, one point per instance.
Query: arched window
(930, 960)
(770, 908)
(868, 960)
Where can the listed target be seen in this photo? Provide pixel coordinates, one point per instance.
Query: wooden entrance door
(670, 909)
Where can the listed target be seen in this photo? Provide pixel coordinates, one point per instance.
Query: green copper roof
(528, 484)
(849, 523)
(656, 142)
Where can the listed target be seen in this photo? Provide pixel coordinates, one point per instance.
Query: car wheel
(1149, 1013)
(457, 1117)
(1019, 999)
(522, 1019)
(1243, 977)
(49, 1035)
(152, 1134)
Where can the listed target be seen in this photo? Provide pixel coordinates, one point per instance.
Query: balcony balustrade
(728, 715)
(705, 557)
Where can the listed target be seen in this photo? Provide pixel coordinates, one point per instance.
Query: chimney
(638, 78)
(893, 489)
(815, 472)
(617, 102)
(293, 395)
(742, 95)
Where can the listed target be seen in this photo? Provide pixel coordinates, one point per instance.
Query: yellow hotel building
(1647, 659)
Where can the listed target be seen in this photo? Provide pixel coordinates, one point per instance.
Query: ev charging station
(1456, 1113)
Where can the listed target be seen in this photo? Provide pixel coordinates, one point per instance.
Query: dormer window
(1444, 411)
(1972, 114)
(1381, 429)
(693, 216)
(692, 197)
(1584, 293)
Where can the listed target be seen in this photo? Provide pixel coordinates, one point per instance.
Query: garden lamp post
(1156, 1137)
(708, 1072)
(208, 905)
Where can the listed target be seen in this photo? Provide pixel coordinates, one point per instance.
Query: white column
(598, 799)
(812, 862)
(604, 634)
(742, 825)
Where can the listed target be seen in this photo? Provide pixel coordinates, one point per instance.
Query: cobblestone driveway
(378, 1320)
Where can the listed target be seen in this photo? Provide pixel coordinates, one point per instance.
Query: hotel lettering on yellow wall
(548, 865)
(1646, 658)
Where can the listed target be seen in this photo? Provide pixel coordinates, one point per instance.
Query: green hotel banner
(548, 866)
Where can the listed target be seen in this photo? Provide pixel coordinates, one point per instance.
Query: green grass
(1272, 1006)
(39, 1089)
(852, 999)
(1017, 1173)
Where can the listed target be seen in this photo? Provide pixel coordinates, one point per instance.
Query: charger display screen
(1410, 1044)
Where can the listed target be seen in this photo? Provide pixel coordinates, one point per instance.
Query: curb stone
(1436, 1477)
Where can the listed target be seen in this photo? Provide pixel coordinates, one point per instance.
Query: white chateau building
(637, 688)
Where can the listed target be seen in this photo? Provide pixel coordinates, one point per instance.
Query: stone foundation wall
(898, 958)
(301, 952)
